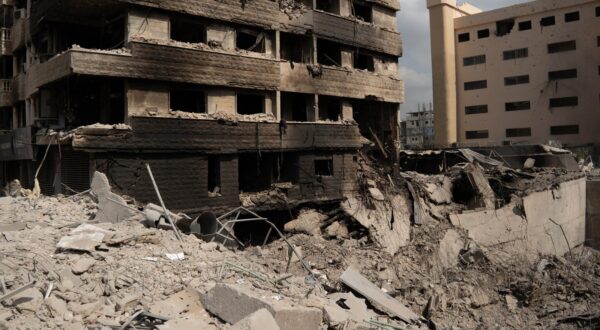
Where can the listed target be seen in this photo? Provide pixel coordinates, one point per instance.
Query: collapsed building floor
(477, 244)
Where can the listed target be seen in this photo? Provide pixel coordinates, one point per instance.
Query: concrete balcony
(163, 134)
(5, 41)
(341, 82)
(19, 34)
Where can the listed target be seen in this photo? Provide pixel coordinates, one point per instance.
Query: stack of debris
(477, 245)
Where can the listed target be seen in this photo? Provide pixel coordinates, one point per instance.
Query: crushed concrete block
(57, 306)
(82, 265)
(355, 309)
(481, 185)
(28, 300)
(440, 193)
(111, 207)
(511, 302)
(379, 299)
(12, 227)
(128, 302)
(68, 281)
(233, 303)
(85, 237)
(308, 222)
(84, 310)
(179, 303)
(480, 298)
(529, 163)
(259, 320)
(449, 249)
(338, 230)
(376, 194)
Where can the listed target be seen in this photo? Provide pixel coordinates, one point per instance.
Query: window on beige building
(515, 53)
(525, 25)
(564, 130)
(517, 106)
(473, 135)
(516, 80)
(562, 74)
(483, 33)
(475, 109)
(474, 60)
(598, 11)
(504, 27)
(560, 102)
(518, 132)
(479, 84)
(563, 46)
(547, 21)
(572, 17)
(464, 37)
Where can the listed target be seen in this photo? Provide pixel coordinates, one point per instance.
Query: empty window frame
(250, 40)
(329, 53)
(481, 34)
(562, 74)
(214, 176)
(598, 41)
(517, 106)
(473, 135)
(518, 132)
(187, 30)
(598, 11)
(479, 84)
(330, 6)
(473, 60)
(561, 102)
(525, 25)
(547, 21)
(248, 104)
(504, 27)
(515, 53)
(295, 106)
(463, 37)
(563, 46)
(330, 108)
(564, 130)
(363, 61)
(362, 11)
(295, 48)
(476, 109)
(187, 100)
(516, 80)
(324, 167)
(572, 16)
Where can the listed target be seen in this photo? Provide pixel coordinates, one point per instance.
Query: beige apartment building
(528, 73)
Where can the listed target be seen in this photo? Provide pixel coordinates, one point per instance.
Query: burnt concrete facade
(221, 98)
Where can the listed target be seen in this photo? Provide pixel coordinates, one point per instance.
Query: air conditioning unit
(20, 13)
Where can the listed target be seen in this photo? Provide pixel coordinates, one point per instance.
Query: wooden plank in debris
(379, 299)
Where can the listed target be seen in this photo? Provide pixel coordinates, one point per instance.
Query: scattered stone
(57, 306)
(28, 300)
(177, 304)
(449, 249)
(529, 163)
(338, 230)
(128, 302)
(308, 222)
(511, 302)
(210, 246)
(479, 298)
(376, 194)
(82, 265)
(111, 207)
(259, 320)
(354, 309)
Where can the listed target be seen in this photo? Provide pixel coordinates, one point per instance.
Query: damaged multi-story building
(221, 98)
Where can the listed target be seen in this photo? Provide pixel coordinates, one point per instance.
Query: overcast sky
(415, 65)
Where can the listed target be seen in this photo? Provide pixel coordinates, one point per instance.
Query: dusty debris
(259, 320)
(450, 248)
(111, 207)
(308, 222)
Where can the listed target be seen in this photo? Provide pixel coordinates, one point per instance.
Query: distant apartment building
(528, 73)
(419, 128)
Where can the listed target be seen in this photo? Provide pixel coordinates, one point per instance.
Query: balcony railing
(5, 34)
(6, 85)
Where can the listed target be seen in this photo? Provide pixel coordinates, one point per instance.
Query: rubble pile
(388, 257)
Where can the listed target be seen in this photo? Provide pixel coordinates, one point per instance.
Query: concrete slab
(259, 320)
(233, 303)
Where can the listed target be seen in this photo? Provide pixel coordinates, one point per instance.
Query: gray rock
(259, 320)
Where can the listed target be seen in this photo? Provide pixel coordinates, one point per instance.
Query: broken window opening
(362, 11)
(6, 16)
(330, 6)
(598, 11)
(91, 100)
(525, 25)
(324, 167)
(482, 34)
(250, 40)
(295, 48)
(21, 116)
(518, 132)
(564, 46)
(330, 108)
(187, 30)
(286, 168)
(464, 37)
(564, 130)
(249, 104)
(6, 67)
(214, 176)
(19, 61)
(187, 100)
(504, 27)
(547, 21)
(296, 106)
(480, 134)
(364, 61)
(329, 53)
(560, 102)
(254, 172)
(6, 118)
